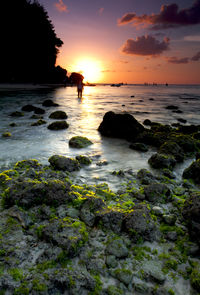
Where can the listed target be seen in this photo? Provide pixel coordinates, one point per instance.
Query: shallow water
(84, 117)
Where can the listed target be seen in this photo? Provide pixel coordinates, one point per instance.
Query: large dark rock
(90, 210)
(139, 224)
(145, 176)
(120, 126)
(193, 172)
(111, 219)
(159, 161)
(157, 192)
(79, 142)
(28, 108)
(49, 103)
(64, 163)
(58, 115)
(58, 125)
(191, 214)
(172, 148)
(39, 111)
(29, 193)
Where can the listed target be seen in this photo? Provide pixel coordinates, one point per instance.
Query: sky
(129, 41)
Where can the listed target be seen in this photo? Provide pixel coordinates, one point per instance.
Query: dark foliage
(29, 44)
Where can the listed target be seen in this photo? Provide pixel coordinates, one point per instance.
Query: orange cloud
(60, 6)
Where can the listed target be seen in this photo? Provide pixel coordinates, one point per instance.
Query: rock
(139, 224)
(83, 160)
(90, 210)
(186, 142)
(172, 148)
(151, 98)
(145, 176)
(147, 122)
(172, 236)
(39, 122)
(111, 261)
(177, 111)
(64, 163)
(49, 103)
(169, 219)
(172, 107)
(193, 172)
(25, 164)
(111, 219)
(157, 210)
(6, 134)
(120, 126)
(29, 193)
(37, 117)
(58, 125)
(58, 115)
(197, 156)
(39, 111)
(79, 142)
(102, 163)
(191, 214)
(153, 271)
(117, 248)
(28, 108)
(195, 278)
(196, 135)
(139, 147)
(67, 233)
(12, 124)
(181, 120)
(17, 114)
(157, 192)
(124, 275)
(168, 173)
(159, 161)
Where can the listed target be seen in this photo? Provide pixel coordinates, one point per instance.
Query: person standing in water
(80, 88)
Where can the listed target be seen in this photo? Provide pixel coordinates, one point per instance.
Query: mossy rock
(195, 279)
(172, 148)
(39, 111)
(25, 164)
(12, 124)
(49, 103)
(17, 114)
(58, 115)
(28, 108)
(193, 172)
(64, 163)
(139, 147)
(79, 142)
(83, 160)
(58, 125)
(6, 134)
(39, 122)
(159, 161)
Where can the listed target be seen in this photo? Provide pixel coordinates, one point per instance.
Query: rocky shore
(62, 237)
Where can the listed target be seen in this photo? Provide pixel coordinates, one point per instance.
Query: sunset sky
(130, 41)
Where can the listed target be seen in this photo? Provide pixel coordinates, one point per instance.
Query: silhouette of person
(80, 88)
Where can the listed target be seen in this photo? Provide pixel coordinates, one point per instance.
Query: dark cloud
(145, 46)
(176, 60)
(169, 17)
(196, 57)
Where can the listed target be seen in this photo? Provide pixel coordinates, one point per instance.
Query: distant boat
(117, 85)
(89, 84)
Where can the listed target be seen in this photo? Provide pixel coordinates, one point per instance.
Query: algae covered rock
(159, 161)
(6, 134)
(79, 142)
(90, 209)
(83, 160)
(139, 147)
(17, 114)
(117, 248)
(67, 233)
(28, 108)
(195, 278)
(120, 126)
(145, 176)
(58, 115)
(157, 192)
(39, 123)
(172, 148)
(49, 103)
(39, 111)
(24, 164)
(139, 224)
(58, 125)
(111, 219)
(64, 163)
(29, 193)
(193, 172)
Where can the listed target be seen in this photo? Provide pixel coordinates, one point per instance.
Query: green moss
(171, 292)
(38, 285)
(22, 290)
(141, 253)
(195, 279)
(41, 267)
(24, 164)
(39, 231)
(6, 134)
(170, 264)
(16, 273)
(113, 290)
(98, 286)
(83, 160)
(167, 228)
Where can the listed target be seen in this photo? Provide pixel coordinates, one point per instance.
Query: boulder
(29, 193)
(12, 124)
(39, 111)
(39, 122)
(193, 172)
(111, 219)
(159, 161)
(141, 147)
(145, 176)
(157, 193)
(64, 163)
(120, 126)
(28, 108)
(58, 125)
(83, 160)
(139, 224)
(147, 122)
(17, 114)
(171, 107)
(67, 233)
(79, 142)
(191, 214)
(49, 103)
(58, 115)
(172, 148)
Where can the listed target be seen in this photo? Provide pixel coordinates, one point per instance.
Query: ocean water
(84, 117)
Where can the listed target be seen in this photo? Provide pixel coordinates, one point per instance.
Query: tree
(29, 44)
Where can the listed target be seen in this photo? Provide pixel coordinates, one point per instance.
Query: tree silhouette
(29, 44)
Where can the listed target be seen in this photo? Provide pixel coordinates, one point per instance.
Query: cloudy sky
(133, 41)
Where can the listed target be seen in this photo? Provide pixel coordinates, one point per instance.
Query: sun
(90, 69)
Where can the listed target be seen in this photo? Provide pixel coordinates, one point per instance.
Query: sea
(84, 117)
